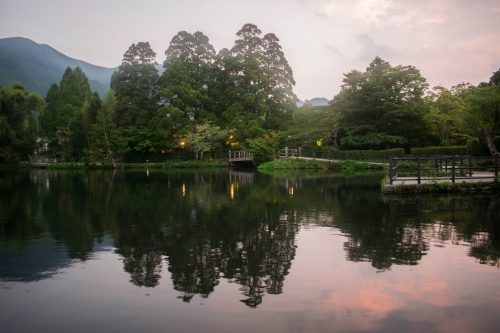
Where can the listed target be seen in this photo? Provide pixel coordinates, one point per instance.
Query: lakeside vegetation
(206, 102)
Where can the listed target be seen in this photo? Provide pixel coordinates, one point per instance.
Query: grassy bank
(163, 165)
(347, 166)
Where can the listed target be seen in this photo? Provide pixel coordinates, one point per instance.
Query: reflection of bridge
(241, 177)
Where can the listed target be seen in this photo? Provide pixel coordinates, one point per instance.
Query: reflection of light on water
(183, 189)
(290, 191)
(233, 188)
(47, 183)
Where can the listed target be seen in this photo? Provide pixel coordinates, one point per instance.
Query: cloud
(371, 49)
(335, 51)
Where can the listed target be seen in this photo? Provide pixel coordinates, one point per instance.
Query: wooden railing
(290, 152)
(240, 156)
(41, 161)
(443, 168)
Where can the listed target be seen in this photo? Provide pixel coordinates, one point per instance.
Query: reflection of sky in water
(321, 292)
(311, 254)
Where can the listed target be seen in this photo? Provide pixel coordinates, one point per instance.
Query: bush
(368, 155)
(355, 166)
(290, 164)
(440, 150)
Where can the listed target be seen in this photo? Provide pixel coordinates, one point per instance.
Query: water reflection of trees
(206, 226)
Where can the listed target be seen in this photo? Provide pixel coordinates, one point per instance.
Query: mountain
(318, 101)
(38, 66)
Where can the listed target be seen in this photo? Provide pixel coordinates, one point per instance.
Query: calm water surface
(225, 251)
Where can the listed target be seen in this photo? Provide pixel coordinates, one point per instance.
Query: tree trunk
(491, 144)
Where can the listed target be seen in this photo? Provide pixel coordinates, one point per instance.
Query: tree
(106, 140)
(67, 111)
(383, 106)
(446, 114)
(483, 114)
(187, 78)
(135, 85)
(310, 123)
(19, 110)
(264, 148)
(203, 138)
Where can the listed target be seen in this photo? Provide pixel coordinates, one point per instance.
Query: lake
(223, 251)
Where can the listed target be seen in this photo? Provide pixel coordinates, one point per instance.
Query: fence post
(391, 164)
(453, 169)
(496, 167)
(470, 167)
(418, 170)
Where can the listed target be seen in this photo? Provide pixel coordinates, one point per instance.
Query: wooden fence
(443, 168)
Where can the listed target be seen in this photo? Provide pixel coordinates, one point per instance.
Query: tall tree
(187, 78)
(19, 110)
(67, 112)
(135, 86)
(107, 143)
(483, 114)
(446, 114)
(383, 106)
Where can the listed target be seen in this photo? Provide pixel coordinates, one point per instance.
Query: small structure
(431, 174)
(41, 162)
(240, 156)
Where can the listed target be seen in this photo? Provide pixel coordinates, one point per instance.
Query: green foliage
(107, 143)
(264, 148)
(70, 106)
(483, 113)
(475, 148)
(446, 114)
(349, 166)
(440, 150)
(292, 164)
(18, 122)
(67, 166)
(373, 140)
(135, 87)
(368, 155)
(203, 138)
(386, 101)
(308, 124)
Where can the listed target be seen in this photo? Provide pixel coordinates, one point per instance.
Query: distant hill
(316, 101)
(38, 66)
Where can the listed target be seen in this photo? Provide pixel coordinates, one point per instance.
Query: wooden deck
(439, 169)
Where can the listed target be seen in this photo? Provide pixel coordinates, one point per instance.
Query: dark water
(224, 251)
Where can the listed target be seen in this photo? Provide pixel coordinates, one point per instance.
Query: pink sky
(450, 41)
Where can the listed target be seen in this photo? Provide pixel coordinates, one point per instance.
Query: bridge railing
(41, 161)
(290, 152)
(452, 168)
(240, 155)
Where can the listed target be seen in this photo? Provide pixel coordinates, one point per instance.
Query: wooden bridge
(41, 162)
(240, 156)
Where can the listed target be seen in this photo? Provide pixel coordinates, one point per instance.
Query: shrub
(283, 164)
(440, 150)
